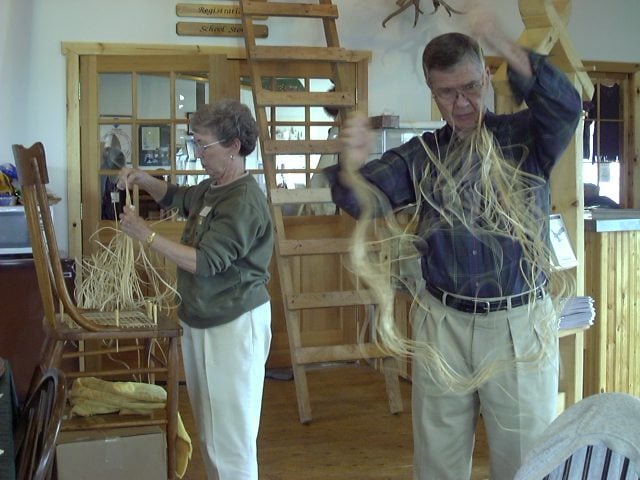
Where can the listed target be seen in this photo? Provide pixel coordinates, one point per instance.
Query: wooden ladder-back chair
(38, 427)
(67, 327)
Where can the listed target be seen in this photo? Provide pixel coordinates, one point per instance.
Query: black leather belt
(482, 306)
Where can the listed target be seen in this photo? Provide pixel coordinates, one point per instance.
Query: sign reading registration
(209, 10)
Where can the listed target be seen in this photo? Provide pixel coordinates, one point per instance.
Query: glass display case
(387, 138)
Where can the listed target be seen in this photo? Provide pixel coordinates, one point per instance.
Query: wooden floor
(352, 436)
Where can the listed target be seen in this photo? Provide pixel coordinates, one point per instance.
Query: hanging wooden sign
(218, 29)
(231, 10)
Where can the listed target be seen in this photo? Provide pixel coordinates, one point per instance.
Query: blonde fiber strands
(471, 186)
(120, 275)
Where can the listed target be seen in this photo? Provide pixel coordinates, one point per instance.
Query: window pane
(118, 137)
(114, 96)
(610, 101)
(290, 114)
(292, 180)
(609, 146)
(155, 142)
(183, 153)
(320, 84)
(153, 96)
(609, 180)
(254, 159)
(319, 114)
(291, 162)
(322, 132)
(290, 132)
(112, 199)
(192, 91)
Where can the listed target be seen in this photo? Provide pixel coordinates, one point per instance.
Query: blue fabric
(533, 139)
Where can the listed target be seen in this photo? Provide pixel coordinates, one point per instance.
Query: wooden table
(612, 278)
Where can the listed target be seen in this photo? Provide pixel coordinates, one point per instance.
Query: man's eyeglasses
(469, 91)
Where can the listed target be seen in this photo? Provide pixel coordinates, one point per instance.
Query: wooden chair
(38, 427)
(83, 337)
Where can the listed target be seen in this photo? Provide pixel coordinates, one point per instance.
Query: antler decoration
(404, 4)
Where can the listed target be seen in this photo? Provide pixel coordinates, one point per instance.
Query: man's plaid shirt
(454, 259)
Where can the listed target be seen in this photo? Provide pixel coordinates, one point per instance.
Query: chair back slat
(33, 177)
(27, 174)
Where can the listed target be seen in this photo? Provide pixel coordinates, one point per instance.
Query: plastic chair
(38, 427)
(596, 438)
(65, 331)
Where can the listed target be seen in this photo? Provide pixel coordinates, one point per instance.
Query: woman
(223, 259)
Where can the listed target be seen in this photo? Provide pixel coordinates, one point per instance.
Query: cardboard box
(385, 121)
(109, 454)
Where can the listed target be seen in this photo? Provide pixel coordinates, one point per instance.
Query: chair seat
(132, 325)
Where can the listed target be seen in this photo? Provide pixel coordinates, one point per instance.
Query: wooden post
(545, 32)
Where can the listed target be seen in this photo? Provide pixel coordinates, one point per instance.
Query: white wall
(15, 39)
(32, 67)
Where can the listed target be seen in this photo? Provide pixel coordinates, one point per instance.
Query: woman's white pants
(224, 368)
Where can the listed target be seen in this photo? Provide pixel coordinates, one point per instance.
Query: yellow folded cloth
(92, 396)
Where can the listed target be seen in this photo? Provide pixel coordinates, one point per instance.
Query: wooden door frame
(72, 52)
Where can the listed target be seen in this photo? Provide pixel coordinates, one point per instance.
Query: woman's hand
(133, 225)
(128, 177)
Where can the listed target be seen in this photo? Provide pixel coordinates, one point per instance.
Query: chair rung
(278, 9)
(337, 353)
(298, 196)
(95, 422)
(347, 298)
(267, 98)
(314, 54)
(103, 351)
(112, 373)
(299, 147)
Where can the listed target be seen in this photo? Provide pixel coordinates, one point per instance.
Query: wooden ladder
(348, 71)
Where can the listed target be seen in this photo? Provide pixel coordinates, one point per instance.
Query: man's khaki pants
(517, 402)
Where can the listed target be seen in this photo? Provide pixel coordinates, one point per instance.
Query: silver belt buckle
(488, 309)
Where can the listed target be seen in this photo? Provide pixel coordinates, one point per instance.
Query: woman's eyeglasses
(203, 148)
(195, 150)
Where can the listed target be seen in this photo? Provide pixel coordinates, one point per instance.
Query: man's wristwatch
(149, 240)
